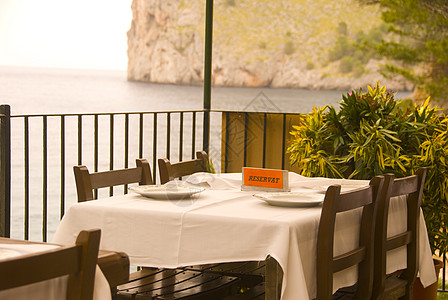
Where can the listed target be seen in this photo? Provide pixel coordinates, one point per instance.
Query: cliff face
(163, 43)
(255, 43)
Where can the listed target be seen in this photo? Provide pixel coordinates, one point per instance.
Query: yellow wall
(275, 142)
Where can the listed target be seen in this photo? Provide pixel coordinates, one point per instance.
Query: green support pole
(207, 73)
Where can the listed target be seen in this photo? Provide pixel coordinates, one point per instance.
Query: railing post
(5, 170)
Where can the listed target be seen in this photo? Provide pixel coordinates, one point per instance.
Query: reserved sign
(265, 179)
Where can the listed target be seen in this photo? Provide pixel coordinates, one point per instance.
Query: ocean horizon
(34, 91)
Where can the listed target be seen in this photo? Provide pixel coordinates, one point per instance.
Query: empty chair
(247, 272)
(114, 265)
(87, 182)
(147, 283)
(78, 261)
(179, 283)
(398, 285)
(252, 276)
(327, 264)
(169, 171)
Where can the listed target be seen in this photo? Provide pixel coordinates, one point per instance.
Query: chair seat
(251, 273)
(345, 293)
(395, 287)
(115, 267)
(257, 292)
(179, 283)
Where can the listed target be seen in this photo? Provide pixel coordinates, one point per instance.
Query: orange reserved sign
(263, 178)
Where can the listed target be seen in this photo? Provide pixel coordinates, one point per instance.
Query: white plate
(345, 187)
(291, 199)
(8, 253)
(166, 191)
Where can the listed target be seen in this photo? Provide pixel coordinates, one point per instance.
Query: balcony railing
(38, 153)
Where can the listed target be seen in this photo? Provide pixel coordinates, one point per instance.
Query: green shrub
(375, 35)
(356, 50)
(373, 134)
(341, 49)
(342, 28)
(362, 56)
(309, 65)
(346, 64)
(289, 48)
(358, 70)
(360, 37)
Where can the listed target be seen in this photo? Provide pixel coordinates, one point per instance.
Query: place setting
(291, 199)
(308, 197)
(275, 189)
(272, 187)
(168, 191)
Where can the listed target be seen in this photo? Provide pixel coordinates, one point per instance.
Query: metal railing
(44, 148)
(38, 152)
(5, 171)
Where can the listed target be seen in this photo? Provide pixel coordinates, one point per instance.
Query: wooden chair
(78, 261)
(114, 265)
(87, 182)
(250, 274)
(327, 264)
(169, 171)
(211, 281)
(147, 283)
(398, 285)
(179, 283)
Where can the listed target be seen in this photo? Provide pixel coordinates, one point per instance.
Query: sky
(84, 34)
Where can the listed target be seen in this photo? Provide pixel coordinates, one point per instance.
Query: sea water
(32, 91)
(43, 91)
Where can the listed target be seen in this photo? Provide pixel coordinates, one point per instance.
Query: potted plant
(372, 133)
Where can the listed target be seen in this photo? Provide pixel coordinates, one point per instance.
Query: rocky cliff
(255, 43)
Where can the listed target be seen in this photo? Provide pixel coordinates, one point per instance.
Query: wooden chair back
(87, 182)
(411, 188)
(78, 261)
(169, 171)
(327, 264)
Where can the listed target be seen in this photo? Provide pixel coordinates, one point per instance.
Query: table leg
(274, 277)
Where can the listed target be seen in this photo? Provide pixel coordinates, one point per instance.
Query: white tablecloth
(53, 289)
(225, 224)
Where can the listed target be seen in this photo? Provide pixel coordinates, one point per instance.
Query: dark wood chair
(114, 265)
(179, 283)
(169, 171)
(87, 182)
(147, 283)
(327, 264)
(78, 261)
(251, 274)
(398, 285)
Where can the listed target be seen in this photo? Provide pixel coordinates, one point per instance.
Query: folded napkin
(223, 181)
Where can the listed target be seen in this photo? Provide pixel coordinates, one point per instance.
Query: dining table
(218, 223)
(53, 289)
